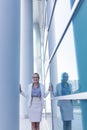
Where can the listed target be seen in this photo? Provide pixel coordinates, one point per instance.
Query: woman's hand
(20, 88)
(49, 88)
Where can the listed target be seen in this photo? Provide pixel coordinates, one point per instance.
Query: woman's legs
(35, 125)
(67, 125)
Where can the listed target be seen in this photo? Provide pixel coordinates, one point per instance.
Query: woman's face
(35, 78)
(65, 77)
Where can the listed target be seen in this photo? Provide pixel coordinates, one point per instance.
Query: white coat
(28, 94)
(66, 106)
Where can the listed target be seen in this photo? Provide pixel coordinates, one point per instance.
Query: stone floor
(49, 123)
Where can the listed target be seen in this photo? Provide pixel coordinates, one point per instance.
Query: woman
(36, 95)
(66, 106)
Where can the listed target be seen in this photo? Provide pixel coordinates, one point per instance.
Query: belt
(36, 98)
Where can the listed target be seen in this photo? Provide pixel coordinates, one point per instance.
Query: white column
(51, 45)
(9, 64)
(53, 64)
(37, 50)
(26, 62)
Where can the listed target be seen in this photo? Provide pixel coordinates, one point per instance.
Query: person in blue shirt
(66, 106)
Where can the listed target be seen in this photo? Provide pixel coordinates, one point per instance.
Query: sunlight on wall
(66, 53)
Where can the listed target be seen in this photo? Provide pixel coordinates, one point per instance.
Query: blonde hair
(36, 74)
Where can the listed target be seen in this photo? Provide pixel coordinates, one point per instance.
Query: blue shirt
(36, 92)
